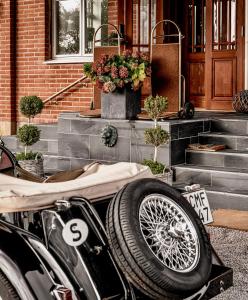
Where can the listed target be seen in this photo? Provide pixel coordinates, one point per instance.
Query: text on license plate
(198, 199)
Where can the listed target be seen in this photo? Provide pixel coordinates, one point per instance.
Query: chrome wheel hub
(169, 233)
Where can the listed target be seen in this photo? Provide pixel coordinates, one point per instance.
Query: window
(74, 24)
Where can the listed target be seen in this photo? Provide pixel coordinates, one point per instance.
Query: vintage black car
(113, 232)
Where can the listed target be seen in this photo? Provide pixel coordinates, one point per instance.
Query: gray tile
(190, 129)
(64, 125)
(78, 162)
(242, 143)
(53, 147)
(187, 176)
(229, 141)
(206, 125)
(41, 146)
(64, 163)
(174, 132)
(48, 131)
(205, 159)
(120, 152)
(230, 126)
(50, 163)
(178, 150)
(88, 126)
(227, 201)
(73, 145)
(236, 161)
(141, 151)
(231, 181)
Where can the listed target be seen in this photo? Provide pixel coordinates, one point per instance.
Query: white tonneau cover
(98, 181)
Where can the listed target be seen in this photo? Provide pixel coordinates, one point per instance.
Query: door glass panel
(224, 24)
(144, 18)
(197, 25)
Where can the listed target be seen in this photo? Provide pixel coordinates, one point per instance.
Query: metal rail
(83, 78)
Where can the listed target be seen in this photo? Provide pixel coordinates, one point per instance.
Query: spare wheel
(158, 240)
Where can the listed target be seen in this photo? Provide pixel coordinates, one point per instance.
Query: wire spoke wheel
(158, 240)
(169, 233)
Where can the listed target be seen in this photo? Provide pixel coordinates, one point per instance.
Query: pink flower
(123, 72)
(108, 87)
(99, 71)
(114, 72)
(106, 69)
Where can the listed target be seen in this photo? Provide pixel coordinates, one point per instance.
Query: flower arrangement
(114, 72)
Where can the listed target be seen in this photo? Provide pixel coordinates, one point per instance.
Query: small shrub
(156, 167)
(155, 106)
(28, 134)
(156, 136)
(28, 156)
(30, 106)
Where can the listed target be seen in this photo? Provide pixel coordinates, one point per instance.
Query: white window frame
(70, 58)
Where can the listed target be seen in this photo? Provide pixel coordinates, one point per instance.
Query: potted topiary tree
(29, 134)
(156, 136)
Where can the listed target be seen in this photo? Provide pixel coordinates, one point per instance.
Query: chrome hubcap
(169, 233)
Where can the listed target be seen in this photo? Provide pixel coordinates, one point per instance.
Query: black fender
(22, 266)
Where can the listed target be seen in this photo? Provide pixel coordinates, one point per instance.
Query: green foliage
(28, 134)
(156, 136)
(156, 167)
(155, 106)
(28, 156)
(31, 106)
(113, 72)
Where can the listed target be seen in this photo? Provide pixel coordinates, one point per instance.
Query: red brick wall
(33, 77)
(7, 68)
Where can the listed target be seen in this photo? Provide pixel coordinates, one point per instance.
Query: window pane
(68, 27)
(197, 25)
(96, 14)
(224, 24)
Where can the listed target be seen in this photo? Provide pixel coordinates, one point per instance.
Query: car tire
(144, 220)
(7, 291)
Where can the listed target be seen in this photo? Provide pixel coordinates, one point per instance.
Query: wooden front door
(224, 52)
(215, 52)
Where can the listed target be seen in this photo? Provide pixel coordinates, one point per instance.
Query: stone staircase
(224, 174)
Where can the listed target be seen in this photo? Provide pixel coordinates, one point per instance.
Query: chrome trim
(90, 280)
(44, 253)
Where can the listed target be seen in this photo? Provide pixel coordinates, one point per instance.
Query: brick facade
(24, 48)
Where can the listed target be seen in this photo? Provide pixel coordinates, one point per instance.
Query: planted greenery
(114, 72)
(30, 106)
(29, 134)
(156, 136)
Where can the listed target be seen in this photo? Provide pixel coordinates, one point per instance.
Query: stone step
(220, 198)
(235, 142)
(232, 125)
(227, 158)
(231, 179)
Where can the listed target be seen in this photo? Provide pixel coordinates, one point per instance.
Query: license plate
(199, 201)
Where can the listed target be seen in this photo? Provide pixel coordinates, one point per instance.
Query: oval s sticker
(75, 232)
